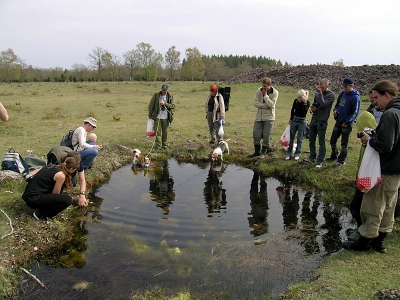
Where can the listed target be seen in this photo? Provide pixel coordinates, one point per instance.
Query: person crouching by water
(44, 190)
(215, 110)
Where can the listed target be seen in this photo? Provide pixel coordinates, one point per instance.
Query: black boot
(256, 151)
(264, 151)
(377, 243)
(363, 244)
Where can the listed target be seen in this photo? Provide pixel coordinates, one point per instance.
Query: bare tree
(172, 61)
(338, 63)
(96, 59)
(79, 71)
(8, 62)
(131, 62)
(148, 60)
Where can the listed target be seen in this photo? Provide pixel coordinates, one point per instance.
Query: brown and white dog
(219, 150)
(139, 160)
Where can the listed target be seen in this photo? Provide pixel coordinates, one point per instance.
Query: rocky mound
(306, 77)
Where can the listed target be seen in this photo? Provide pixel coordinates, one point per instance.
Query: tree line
(142, 63)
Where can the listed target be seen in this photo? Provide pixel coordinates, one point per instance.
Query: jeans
(338, 131)
(262, 130)
(317, 128)
(298, 126)
(87, 156)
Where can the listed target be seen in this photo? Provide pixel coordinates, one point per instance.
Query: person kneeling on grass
(44, 190)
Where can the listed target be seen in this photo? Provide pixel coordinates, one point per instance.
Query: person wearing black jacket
(298, 123)
(377, 207)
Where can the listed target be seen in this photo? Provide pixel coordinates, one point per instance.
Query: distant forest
(140, 64)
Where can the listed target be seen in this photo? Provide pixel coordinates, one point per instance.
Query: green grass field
(41, 113)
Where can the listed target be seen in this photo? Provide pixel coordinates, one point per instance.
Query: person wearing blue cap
(160, 110)
(345, 112)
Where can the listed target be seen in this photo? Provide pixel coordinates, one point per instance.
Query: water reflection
(122, 243)
(214, 193)
(258, 219)
(162, 188)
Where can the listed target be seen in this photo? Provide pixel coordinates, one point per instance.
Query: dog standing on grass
(219, 150)
(139, 160)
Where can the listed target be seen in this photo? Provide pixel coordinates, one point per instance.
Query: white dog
(219, 150)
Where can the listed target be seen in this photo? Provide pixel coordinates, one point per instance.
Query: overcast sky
(60, 33)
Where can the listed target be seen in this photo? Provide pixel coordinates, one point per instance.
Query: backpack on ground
(226, 94)
(67, 139)
(14, 162)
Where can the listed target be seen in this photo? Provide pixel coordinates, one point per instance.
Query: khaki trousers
(377, 207)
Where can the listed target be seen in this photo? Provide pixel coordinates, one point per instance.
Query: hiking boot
(264, 151)
(331, 158)
(363, 244)
(287, 157)
(377, 243)
(354, 237)
(211, 142)
(318, 166)
(339, 164)
(256, 151)
(296, 157)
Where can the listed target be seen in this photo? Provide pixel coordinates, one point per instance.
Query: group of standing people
(376, 208)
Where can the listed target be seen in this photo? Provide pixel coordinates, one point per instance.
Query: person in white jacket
(86, 151)
(265, 100)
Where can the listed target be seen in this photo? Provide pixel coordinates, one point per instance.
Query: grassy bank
(41, 113)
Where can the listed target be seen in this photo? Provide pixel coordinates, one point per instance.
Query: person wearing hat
(86, 151)
(345, 112)
(160, 111)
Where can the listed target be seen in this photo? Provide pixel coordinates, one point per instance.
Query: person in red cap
(215, 111)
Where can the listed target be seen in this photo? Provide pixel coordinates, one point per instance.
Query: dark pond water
(215, 231)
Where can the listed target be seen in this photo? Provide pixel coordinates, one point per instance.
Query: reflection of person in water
(214, 194)
(290, 208)
(162, 188)
(331, 238)
(259, 205)
(309, 224)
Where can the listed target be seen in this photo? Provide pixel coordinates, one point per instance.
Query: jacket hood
(395, 103)
(353, 92)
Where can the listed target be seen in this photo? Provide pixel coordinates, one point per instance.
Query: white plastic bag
(369, 173)
(285, 138)
(150, 128)
(221, 131)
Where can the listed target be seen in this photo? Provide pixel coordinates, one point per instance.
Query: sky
(60, 33)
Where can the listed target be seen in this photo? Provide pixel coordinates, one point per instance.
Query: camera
(315, 104)
(368, 131)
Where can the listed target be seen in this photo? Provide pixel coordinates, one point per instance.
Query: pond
(214, 230)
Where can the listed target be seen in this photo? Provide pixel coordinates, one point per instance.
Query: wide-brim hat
(91, 121)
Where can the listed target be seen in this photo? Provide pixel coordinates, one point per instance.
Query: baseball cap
(347, 81)
(165, 87)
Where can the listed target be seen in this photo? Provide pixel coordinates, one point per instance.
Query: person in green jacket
(160, 110)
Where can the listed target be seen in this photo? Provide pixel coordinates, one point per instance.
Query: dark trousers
(338, 131)
(50, 205)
